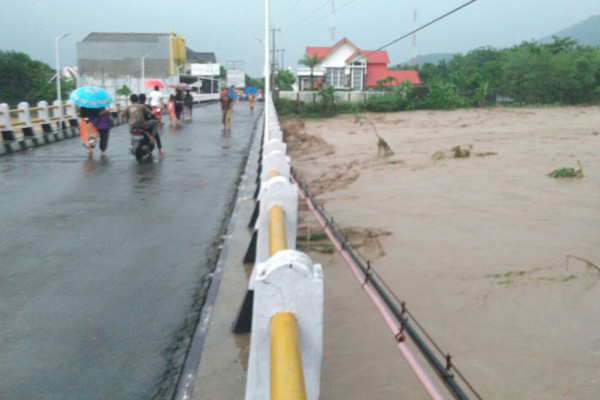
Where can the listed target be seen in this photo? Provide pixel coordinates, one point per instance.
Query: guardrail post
(278, 192)
(288, 288)
(44, 114)
(273, 162)
(8, 134)
(71, 115)
(56, 116)
(25, 118)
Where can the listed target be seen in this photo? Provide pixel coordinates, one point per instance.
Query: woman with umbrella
(92, 101)
(251, 97)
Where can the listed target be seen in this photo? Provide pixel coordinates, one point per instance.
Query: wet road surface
(103, 262)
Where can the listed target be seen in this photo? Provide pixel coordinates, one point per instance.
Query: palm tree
(311, 62)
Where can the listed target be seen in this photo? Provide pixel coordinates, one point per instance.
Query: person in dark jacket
(188, 101)
(178, 105)
(103, 123)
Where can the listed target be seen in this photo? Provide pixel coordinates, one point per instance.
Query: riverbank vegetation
(24, 79)
(558, 73)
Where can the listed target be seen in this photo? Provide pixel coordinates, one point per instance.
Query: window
(357, 78)
(335, 77)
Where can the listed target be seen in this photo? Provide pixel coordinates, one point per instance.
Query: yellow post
(171, 52)
(277, 238)
(287, 379)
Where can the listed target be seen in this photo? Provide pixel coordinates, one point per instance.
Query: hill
(434, 58)
(586, 32)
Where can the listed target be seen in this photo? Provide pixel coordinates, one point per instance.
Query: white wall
(337, 59)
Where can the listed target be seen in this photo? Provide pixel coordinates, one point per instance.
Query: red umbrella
(151, 83)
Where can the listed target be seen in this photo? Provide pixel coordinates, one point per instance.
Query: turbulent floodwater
(479, 247)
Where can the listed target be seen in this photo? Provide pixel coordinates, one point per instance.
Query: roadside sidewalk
(224, 356)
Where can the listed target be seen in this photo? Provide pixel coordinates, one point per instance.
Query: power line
(289, 12)
(312, 13)
(422, 27)
(323, 17)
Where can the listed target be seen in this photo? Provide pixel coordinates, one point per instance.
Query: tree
(24, 79)
(123, 91)
(311, 62)
(284, 80)
(257, 83)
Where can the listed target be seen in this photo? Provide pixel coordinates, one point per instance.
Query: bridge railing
(283, 307)
(30, 126)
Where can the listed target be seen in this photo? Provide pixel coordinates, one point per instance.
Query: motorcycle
(141, 144)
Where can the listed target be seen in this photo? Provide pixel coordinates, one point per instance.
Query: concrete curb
(221, 374)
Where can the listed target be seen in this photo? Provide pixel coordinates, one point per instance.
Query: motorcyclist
(136, 113)
(155, 119)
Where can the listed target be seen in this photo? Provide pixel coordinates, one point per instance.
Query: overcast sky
(230, 27)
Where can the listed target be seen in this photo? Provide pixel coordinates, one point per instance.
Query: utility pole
(273, 30)
(282, 52)
(413, 60)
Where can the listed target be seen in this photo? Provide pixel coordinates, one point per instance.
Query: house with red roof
(346, 67)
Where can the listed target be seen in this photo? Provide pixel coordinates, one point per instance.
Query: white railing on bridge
(286, 342)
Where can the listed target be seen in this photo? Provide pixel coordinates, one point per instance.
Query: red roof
(377, 74)
(324, 51)
(319, 51)
(373, 57)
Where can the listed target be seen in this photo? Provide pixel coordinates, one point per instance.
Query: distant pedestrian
(251, 99)
(156, 102)
(178, 105)
(226, 101)
(188, 101)
(171, 108)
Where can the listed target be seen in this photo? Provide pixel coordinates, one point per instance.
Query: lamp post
(144, 70)
(267, 70)
(58, 94)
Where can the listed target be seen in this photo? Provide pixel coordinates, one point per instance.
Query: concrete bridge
(105, 261)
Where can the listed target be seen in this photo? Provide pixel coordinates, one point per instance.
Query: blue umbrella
(90, 97)
(251, 89)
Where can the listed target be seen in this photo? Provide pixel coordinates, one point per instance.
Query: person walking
(103, 123)
(189, 103)
(226, 108)
(87, 130)
(251, 99)
(171, 108)
(178, 105)
(156, 103)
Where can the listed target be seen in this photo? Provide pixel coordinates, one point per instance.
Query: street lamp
(267, 70)
(58, 94)
(144, 69)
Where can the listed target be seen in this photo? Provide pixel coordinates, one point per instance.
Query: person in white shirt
(156, 103)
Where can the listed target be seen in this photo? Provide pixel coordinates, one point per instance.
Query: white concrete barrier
(283, 281)
(287, 282)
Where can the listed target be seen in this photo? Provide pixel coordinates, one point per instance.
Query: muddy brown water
(479, 248)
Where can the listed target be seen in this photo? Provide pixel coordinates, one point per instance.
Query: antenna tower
(332, 30)
(413, 60)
